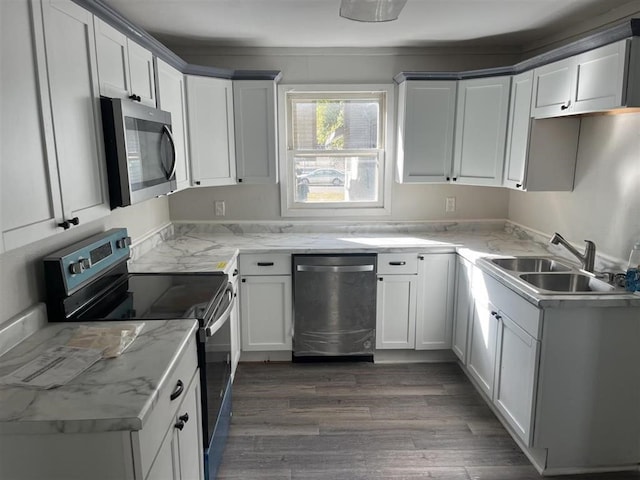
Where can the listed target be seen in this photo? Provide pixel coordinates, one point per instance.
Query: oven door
(215, 362)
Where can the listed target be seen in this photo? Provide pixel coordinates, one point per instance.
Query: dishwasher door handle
(335, 268)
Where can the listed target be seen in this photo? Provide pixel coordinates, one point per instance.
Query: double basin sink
(551, 276)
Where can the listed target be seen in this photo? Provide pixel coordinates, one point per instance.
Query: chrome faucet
(588, 260)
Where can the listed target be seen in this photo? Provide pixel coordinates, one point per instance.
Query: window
(333, 150)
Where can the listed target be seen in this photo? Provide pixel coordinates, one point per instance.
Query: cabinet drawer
(163, 412)
(521, 312)
(265, 264)
(398, 263)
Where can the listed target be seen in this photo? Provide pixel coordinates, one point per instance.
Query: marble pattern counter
(212, 247)
(112, 395)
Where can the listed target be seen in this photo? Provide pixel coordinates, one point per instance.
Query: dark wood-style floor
(361, 421)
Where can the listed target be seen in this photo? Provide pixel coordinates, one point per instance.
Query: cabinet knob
(244, 280)
(518, 185)
(135, 98)
(179, 425)
(448, 178)
(493, 314)
(184, 418)
(197, 182)
(455, 179)
(235, 272)
(380, 279)
(420, 257)
(75, 221)
(239, 180)
(564, 107)
(66, 225)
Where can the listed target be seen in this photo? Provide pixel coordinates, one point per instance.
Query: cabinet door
(396, 311)
(600, 78)
(73, 86)
(142, 74)
(189, 458)
(462, 309)
(30, 202)
(113, 61)
(171, 98)
(516, 377)
(435, 301)
(165, 467)
(518, 131)
(265, 313)
(553, 88)
(254, 108)
(426, 115)
(482, 342)
(211, 131)
(481, 130)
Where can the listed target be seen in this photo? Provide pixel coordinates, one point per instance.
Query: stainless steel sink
(570, 283)
(531, 264)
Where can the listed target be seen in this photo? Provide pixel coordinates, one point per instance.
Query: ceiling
(316, 23)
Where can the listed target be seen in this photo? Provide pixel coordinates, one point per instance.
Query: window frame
(288, 206)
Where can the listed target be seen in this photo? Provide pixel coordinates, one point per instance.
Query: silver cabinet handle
(334, 268)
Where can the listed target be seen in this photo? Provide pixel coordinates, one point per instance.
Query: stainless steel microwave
(140, 152)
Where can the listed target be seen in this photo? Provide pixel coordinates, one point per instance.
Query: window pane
(336, 179)
(335, 124)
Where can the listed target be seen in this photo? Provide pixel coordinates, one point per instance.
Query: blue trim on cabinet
(598, 39)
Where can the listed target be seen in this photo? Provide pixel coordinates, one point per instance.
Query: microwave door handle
(172, 170)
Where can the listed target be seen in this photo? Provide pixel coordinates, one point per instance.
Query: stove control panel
(76, 265)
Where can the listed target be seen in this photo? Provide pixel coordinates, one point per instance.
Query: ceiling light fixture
(371, 10)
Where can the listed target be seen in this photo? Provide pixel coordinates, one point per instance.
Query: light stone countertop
(114, 394)
(213, 247)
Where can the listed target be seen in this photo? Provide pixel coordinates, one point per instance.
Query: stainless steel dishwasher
(334, 302)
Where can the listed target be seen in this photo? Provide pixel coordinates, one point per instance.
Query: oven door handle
(208, 329)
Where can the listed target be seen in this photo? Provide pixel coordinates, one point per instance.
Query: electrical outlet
(450, 204)
(220, 208)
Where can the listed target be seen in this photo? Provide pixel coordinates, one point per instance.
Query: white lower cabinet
(396, 311)
(462, 308)
(482, 344)
(266, 309)
(516, 376)
(434, 314)
(180, 454)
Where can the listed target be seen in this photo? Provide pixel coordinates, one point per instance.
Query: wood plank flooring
(360, 421)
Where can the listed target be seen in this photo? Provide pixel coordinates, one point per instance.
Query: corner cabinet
(426, 121)
(266, 308)
(171, 98)
(601, 79)
(481, 126)
(541, 153)
(254, 107)
(211, 131)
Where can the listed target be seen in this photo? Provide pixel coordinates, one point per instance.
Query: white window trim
(288, 208)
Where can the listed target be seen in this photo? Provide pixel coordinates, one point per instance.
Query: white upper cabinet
(211, 131)
(601, 79)
(540, 154)
(553, 88)
(75, 110)
(30, 202)
(426, 120)
(254, 107)
(171, 98)
(125, 69)
(481, 126)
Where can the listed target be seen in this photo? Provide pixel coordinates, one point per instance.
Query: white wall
(408, 202)
(605, 203)
(21, 274)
